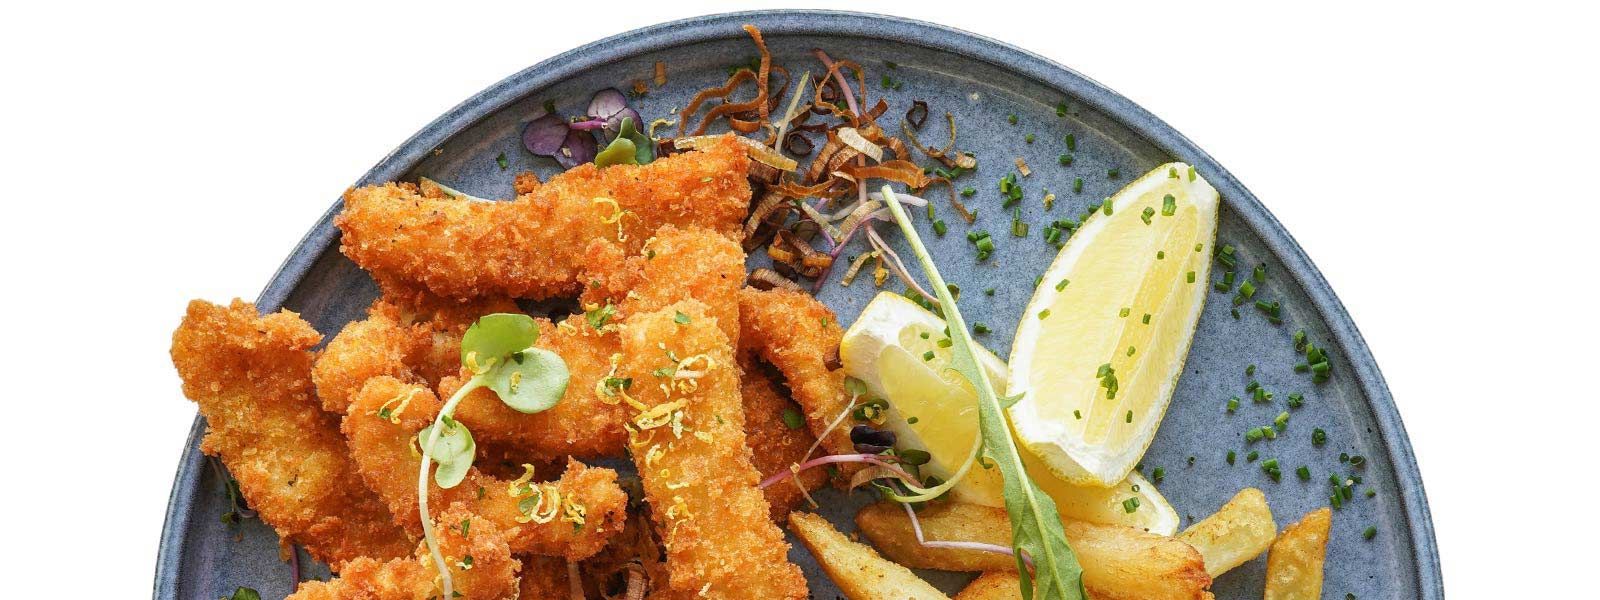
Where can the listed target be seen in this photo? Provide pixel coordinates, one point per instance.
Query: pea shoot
(498, 350)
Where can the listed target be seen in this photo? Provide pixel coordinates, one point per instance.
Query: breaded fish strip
(411, 336)
(692, 459)
(251, 376)
(774, 446)
(797, 334)
(586, 505)
(677, 263)
(537, 245)
(544, 578)
(481, 567)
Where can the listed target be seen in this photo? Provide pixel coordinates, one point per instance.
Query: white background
(1439, 164)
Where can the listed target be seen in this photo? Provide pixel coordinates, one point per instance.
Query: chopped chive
(1250, 370)
(501, 160)
(1130, 505)
(1161, 255)
(1230, 457)
(939, 227)
(980, 327)
(968, 191)
(1158, 474)
(1252, 456)
(1106, 208)
(1296, 399)
(1129, 418)
(1233, 404)
(1113, 173)
(988, 292)
(1077, 415)
(1191, 173)
(792, 419)
(1011, 118)
(1260, 273)
(927, 356)
(1072, 143)
(1061, 109)
(1077, 185)
(1124, 312)
(1145, 319)
(1190, 276)
(1169, 206)
(1065, 160)
(1130, 350)
(1145, 216)
(1304, 473)
(1282, 421)
(1028, 138)
(1043, 314)
(1061, 285)
(1018, 228)
(1369, 532)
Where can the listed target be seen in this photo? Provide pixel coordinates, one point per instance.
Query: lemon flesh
(934, 409)
(1134, 285)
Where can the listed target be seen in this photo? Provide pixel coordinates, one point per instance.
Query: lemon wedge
(896, 349)
(1102, 342)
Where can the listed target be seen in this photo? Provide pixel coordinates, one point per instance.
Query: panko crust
(537, 245)
(800, 336)
(701, 486)
(251, 377)
(774, 446)
(385, 452)
(463, 538)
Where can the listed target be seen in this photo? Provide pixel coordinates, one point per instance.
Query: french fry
(1118, 562)
(1003, 585)
(859, 572)
(1239, 531)
(1294, 567)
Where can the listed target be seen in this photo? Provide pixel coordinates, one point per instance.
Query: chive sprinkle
(1077, 185)
(1044, 314)
(1230, 457)
(939, 227)
(1072, 143)
(1369, 533)
(1065, 160)
(1012, 119)
(1061, 285)
(1169, 206)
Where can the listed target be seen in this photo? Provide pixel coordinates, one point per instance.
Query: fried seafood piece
(544, 578)
(571, 517)
(774, 445)
(480, 562)
(677, 263)
(537, 245)
(409, 335)
(797, 334)
(251, 377)
(688, 442)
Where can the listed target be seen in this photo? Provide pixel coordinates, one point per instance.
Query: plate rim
(1379, 401)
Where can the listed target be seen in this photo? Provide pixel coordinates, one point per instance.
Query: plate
(982, 82)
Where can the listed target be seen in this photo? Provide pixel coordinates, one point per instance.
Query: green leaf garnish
(495, 336)
(1035, 524)
(530, 381)
(453, 451)
(632, 147)
(244, 593)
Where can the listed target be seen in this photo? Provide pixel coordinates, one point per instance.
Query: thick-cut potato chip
(1239, 531)
(1294, 567)
(1118, 562)
(1003, 585)
(860, 573)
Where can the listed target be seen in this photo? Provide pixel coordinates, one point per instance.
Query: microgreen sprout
(498, 350)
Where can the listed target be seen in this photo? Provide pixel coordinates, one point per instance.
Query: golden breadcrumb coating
(774, 446)
(251, 377)
(480, 562)
(408, 335)
(544, 578)
(676, 263)
(797, 334)
(689, 446)
(588, 505)
(537, 245)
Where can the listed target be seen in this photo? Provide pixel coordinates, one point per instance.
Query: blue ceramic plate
(982, 82)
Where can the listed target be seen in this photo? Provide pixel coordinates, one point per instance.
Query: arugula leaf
(1035, 524)
(529, 381)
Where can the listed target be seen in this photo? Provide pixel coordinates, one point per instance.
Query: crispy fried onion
(943, 155)
(757, 150)
(759, 103)
(767, 279)
(795, 252)
(900, 171)
(855, 267)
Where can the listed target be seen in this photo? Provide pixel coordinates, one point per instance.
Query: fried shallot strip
(251, 377)
(537, 245)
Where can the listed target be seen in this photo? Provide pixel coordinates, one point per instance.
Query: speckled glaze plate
(981, 81)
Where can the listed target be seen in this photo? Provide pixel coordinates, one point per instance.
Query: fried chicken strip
(382, 427)
(677, 263)
(480, 562)
(537, 245)
(689, 446)
(797, 334)
(251, 377)
(774, 446)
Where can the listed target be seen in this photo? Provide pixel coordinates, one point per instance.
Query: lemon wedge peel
(1144, 267)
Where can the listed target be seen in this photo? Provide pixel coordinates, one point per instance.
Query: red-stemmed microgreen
(498, 351)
